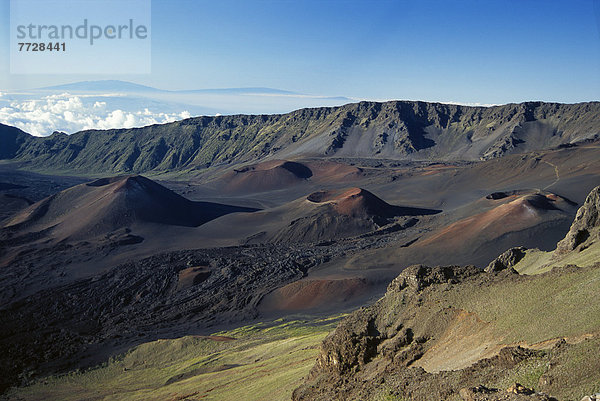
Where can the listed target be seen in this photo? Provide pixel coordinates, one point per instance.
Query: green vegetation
(587, 257)
(536, 261)
(543, 307)
(576, 371)
(387, 395)
(527, 373)
(567, 373)
(265, 361)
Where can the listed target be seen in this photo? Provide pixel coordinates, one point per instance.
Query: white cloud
(64, 112)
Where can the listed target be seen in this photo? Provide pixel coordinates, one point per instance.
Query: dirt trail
(555, 171)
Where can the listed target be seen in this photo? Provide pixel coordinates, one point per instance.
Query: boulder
(516, 392)
(506, 260)
(518, 388)
(585, 227)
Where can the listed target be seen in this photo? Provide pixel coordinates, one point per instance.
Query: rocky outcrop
(390, 335)
(585, 229)
(384, 329)
(516, 392)
(416, 278)
(506, 260)
(385, 350)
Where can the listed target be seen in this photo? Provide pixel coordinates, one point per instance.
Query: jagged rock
(586, 226)
(515, 392)
(362, 336)
(502, 146)
(474, 393)
(350, 346)
(518, 388)
(417, 277)
(506, 260)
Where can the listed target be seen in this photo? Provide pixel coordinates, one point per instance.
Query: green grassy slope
(536, 261)
(537, 308)
(263, 362)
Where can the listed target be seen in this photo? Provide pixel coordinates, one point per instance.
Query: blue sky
(462, 51)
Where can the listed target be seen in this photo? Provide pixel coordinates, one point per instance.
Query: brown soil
(516, 213)
(472, 336)
(105, 205)
(323, 294)
(265, 176)
(192, 276)
(360, 202)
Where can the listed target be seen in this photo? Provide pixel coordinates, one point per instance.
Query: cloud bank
(71, 113)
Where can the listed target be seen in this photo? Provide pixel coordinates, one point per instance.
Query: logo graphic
(80, 37)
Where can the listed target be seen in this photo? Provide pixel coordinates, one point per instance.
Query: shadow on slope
(336, 214)
(108, 204)
(528, 218)
(265, 176)
(281, 174)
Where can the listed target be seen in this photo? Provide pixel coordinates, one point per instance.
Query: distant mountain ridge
(403, 130)
(125, 86)
(103, 85)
